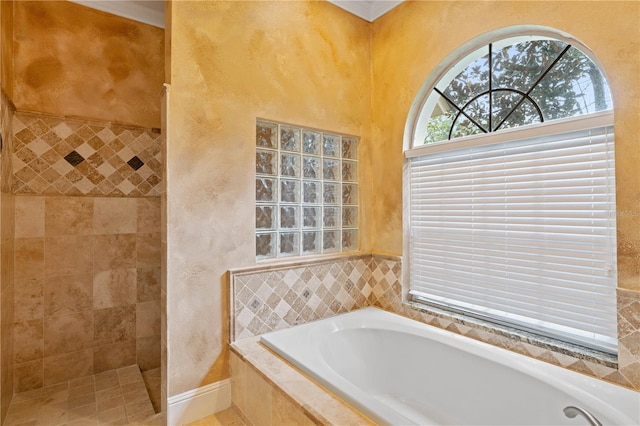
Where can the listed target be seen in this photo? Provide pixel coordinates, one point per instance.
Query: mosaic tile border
(56, 155)
(263, 299)
(277, 297)
(6, 145)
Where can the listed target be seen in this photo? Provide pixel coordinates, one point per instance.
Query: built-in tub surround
(87, 296)
(266, 390)
(273, 297)
(400, 372)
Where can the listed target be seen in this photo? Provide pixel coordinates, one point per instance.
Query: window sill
(547, 343)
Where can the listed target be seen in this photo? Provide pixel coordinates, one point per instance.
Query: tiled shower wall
(87, 287)
(87, 248)
(274, 297)
(6, 259)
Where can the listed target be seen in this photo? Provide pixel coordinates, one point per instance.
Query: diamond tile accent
(59, 156)
(7, 129)
(73, 158)
(135, 163)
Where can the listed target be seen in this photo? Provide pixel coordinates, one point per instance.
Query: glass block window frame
(306, 191)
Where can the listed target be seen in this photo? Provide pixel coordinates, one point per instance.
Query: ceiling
(152, 11)
(369, 10)
(148, 11)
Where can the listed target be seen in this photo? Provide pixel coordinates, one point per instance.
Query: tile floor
(153, 382)
(227, 417)
(115, 397)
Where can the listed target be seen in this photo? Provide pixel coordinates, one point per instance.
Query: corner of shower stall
(84, 269)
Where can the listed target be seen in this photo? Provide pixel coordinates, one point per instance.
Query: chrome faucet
(572, 411)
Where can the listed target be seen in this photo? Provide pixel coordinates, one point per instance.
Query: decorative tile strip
(56, 155)
(279, 297)
(7, 110)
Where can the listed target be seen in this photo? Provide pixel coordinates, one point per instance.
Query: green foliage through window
(521, 83)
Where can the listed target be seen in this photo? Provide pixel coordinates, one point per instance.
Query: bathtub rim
(466, 344)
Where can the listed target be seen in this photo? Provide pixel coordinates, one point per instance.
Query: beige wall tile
(258, 408)
(164, 374)
(114, 355)
(29, 216)
(284, 412)
(7, 345)
(114, 287)
(28, 340)
(29, 299)
(148, 352)
(115, 215)
(148, 250)
(68, 333)
(238, 382)
(148, 319)
(68, 255)
(8, 216)
(114, 324)
(114, 252)
(68, 216)
(29, 258)
(67, 294)
(148, 215)
(7, 271)
(28, 376)
(59, 368)
(148, 284)
(163, 317)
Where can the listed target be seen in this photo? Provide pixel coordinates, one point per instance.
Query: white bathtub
(401, 372)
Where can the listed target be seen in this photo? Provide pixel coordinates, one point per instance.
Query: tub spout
(572, 411)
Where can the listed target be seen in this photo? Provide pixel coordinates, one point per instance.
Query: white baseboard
(198, 403)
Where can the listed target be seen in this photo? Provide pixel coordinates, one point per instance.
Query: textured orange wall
(72, 60)
(411, 40)
(6, 47)
(302, 62)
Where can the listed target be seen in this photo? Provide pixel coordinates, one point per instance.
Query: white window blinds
(521, 232)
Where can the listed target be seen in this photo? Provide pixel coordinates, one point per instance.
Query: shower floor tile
(115, 397)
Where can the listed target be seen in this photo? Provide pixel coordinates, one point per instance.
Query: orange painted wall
(72, 60)
(301, 62)
(6, 47)
(411, 40)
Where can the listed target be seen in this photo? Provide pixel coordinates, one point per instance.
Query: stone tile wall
(273, 297)
(6, 258)
(56, 155)
(87, 297)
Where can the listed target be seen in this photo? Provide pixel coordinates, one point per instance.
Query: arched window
(510, 188)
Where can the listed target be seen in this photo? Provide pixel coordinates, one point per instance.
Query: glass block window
(306, 191)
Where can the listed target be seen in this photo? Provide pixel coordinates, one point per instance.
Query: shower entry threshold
(114, 397)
